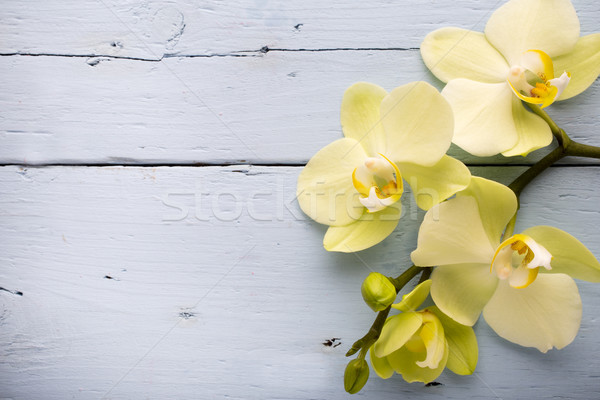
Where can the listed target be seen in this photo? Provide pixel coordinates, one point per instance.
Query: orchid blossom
(530, 51)
(522, 283)
(354, 184)
(420, 344)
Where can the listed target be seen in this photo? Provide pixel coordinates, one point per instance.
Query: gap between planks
(239, 53)
(245, 164)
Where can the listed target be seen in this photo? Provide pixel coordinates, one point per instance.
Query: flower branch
(373, 334)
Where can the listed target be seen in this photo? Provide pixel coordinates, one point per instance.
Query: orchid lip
(379, 183)
(533, 79)
(528, 255)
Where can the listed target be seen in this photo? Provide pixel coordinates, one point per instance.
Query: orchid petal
(520, 25)
(432, 334)
(405, 361)
(452, 53)
(533, 133)
(418, 123)
(396, 332)
(431, 185)
(569, 255)
(474, 279)
(325, 191)
(367, 231)
(483, 118)
(497, 205)
(452, 233)
(583, 63)
(381, 366)
(543, 315)
(462, 344)
(360, 116)
(411, 301)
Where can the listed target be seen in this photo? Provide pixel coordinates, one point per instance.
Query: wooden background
(150, 243)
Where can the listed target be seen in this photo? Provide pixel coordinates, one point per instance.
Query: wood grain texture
(210, 283)
(186, 282)
(151, 29)
(276, 107)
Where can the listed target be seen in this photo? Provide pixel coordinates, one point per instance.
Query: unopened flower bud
(356, 375)
(378, 291)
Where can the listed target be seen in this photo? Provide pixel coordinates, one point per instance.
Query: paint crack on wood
(187, 314)
(15, 292)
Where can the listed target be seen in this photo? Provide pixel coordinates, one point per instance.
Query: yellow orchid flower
(522, 284)
(354, 184)
(530, 51)
(420, 344)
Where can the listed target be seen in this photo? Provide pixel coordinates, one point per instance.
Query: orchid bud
(356, 375)
(378, 291)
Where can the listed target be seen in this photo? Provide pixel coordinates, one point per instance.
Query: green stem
(582, 150)
(567, 147)
(372, 335)
(526, 177)
(425, 275)
(406, 276)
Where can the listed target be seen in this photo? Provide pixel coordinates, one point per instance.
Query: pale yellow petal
(583, 63)
(380, 365)
(431, 185)
(404, 362)
(418, 124)
(520, 25)
(432, 334)
(532, 132)
(360, 116)
(396, 332)
(543, 315)
(462, 344)
(483, 116)
(497, 205)
(452, 53)
(325, 191)
(411, 301)
(569, 255)
(461, 291)
(367, 231)
(452, 233)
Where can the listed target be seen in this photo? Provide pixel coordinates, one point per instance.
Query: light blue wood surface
(144, 275)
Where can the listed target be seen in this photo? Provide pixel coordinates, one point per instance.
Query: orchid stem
(365, 343)
(566, 147)
(582, 150)
(526, 177)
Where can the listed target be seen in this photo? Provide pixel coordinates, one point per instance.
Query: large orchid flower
(522, 283)
(420, 344)
(530, 51)
(354, 184)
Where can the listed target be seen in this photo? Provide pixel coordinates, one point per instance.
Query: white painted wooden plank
(150, 29)
(281, 107)
(220, 289)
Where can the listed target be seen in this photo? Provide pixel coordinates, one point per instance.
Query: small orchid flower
(420, 344)
(354, 184)
(523, 283)
(530, 51)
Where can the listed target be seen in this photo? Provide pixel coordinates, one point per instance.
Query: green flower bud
(356, 375)
(378, 291)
